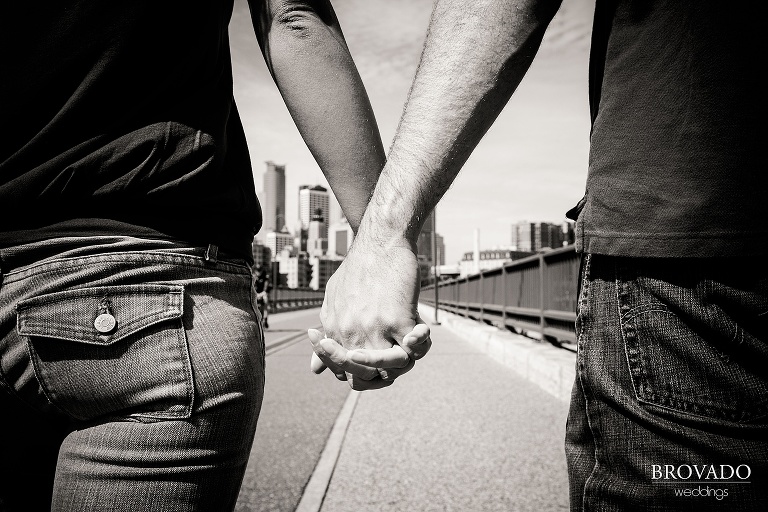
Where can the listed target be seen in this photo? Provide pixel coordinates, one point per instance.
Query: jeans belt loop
(212, 253)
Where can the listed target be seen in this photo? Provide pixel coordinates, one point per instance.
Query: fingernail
(316, 365)
(314, 335)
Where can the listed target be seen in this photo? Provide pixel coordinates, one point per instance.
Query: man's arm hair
(310, 62)
(475, 55)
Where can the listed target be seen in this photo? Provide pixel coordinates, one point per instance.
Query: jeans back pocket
(688, 349)
(111, 350)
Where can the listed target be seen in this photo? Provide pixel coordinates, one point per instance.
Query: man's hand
(371, 303)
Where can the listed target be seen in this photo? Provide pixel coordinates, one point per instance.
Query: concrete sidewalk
(469, 429)
(551, 368)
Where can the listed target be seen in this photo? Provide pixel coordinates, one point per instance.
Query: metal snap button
(105, 323)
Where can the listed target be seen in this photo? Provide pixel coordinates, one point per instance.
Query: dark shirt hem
(239, 247)
(691, 245)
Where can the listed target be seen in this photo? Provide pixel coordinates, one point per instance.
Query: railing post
(456, 296)
(466, 299)
(435, 263)
(482, 296)
(504, 293)
(541, 295)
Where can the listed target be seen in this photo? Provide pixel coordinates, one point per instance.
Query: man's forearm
(475, 55)
(306, 53)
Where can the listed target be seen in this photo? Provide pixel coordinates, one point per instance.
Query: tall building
(569, 232)
(424, 243)
(540, 236)
(297, 270)
(424, 248)
(274, 198)
(277, 241)
(340, 236)
(312, 199)
(336, 213)
(322, 270)
(521, 236)
(440, 243)
(317, 244)
(262, 255)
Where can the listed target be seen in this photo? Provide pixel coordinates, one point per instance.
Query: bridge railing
(537, 294)
(288, 299)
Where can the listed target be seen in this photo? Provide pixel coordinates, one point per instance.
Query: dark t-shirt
(678, 114)
(119, 119)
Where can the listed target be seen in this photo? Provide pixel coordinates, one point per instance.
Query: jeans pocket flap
(72, 338)
(99, 315)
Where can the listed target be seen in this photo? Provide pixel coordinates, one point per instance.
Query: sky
(532, 163)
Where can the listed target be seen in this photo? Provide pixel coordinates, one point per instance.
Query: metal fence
(287, 299)
(537, 294)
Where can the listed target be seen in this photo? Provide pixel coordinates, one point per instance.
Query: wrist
(384, 229)
(374, 237)
(394, 215)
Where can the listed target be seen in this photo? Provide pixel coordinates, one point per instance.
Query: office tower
(542, 235)
(322, 270)
(538, 236)
(424, 243)
(262, 255)
(440, 243)
(569, 232)
(276, 242)
(312, 199)
(522, 239)
(316, 243)
(274, 198)
(340, 237)
(297, 270)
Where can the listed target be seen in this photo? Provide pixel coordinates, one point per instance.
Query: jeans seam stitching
(586, 390)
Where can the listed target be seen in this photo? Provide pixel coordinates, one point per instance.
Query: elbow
(301, 19)
(294, 21)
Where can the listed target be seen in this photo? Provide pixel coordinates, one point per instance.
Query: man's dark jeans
(670, 406)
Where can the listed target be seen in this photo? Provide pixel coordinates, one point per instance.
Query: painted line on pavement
(287, 341)
(314, 492)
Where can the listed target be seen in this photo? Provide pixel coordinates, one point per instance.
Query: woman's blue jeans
(131, 376)
(670, 407)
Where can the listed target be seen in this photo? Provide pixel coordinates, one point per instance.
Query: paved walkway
(461, 432)
(465, 430)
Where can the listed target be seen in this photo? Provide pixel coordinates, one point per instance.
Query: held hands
(369, 368)
(372, 330)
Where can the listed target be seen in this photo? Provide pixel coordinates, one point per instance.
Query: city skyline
(315, 203)
(530, 165)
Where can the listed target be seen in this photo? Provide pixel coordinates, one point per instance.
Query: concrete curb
(552, 369)
(314, 493)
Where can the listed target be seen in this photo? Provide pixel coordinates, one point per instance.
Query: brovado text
(699, 472)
